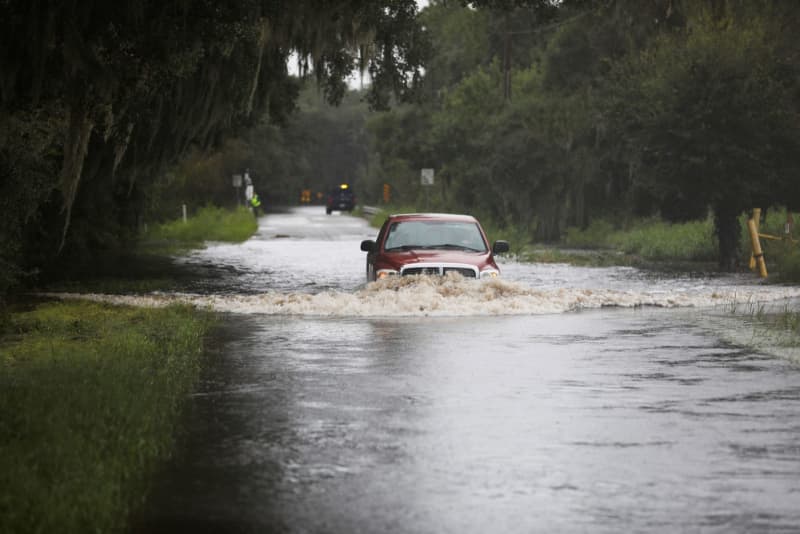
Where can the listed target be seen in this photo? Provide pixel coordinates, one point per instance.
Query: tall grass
(658, 240)
(652, 239)
(89, 397)
(208, 224)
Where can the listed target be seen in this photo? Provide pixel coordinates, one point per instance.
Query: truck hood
(481, 260)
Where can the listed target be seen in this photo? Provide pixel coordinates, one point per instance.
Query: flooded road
(560, 399)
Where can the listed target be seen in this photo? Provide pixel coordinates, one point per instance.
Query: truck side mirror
(500, 247)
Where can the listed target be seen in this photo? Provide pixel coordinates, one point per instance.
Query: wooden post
(757, 216)
(758, 254)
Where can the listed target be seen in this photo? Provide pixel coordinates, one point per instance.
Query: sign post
(426, 179)
(237, 184)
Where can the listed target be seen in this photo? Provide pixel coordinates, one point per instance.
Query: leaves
(141, 85)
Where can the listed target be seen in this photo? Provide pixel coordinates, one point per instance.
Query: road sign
(427, 177)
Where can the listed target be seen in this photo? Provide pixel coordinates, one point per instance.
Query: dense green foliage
(89, 397)
(98, 99)
(604, 110)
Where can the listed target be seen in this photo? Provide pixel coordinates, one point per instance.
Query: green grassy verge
(208, 224)
(89, 398)
(690, 243)
(582, 258)
(651, 239)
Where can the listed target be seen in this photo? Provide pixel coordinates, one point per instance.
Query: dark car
(431, 244)
(340, 198)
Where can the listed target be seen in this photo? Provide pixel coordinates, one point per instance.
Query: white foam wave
(451, 296)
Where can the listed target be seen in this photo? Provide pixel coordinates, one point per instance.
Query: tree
(709, 116)
(113, 94)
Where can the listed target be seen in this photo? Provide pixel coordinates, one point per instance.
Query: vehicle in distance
(340, 198)
(431, 244)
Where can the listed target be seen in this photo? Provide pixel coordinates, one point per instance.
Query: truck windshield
(407, 235)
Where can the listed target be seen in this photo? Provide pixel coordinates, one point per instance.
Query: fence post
(757, 218)
(758, 254)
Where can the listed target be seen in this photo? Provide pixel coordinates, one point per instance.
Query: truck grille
(422, 270)
(466, 272)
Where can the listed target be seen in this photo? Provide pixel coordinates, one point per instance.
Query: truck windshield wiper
(445, 246)
(404, 247)
(452, 246)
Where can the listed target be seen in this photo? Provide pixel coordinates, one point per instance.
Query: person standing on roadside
(255, 204)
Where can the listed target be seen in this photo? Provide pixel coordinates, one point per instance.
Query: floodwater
(558, 399)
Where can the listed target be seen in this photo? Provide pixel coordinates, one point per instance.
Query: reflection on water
(600, 421)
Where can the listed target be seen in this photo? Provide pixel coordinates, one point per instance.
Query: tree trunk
(728, 231)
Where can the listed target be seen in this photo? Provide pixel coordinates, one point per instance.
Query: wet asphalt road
(608, 420)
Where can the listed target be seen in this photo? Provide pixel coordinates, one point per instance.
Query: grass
(582, 258)
(89, 398)
(90, 393)
(651, 239)
(208, 224)
(775, 329)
